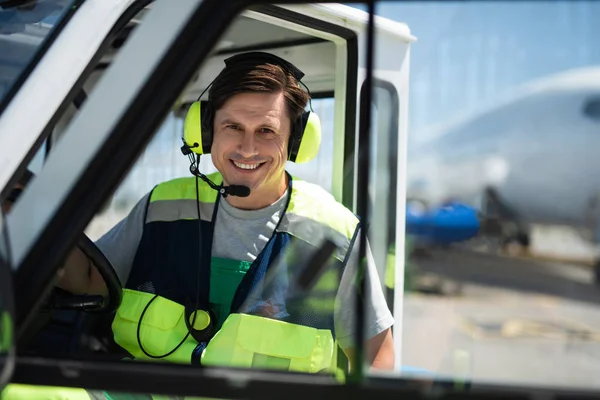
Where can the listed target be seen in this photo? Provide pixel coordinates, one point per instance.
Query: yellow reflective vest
(299, 336)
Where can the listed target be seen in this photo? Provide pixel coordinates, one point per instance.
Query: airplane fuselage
(538, 151)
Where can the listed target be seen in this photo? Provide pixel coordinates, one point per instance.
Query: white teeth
(246, 166)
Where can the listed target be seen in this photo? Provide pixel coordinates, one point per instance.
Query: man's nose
(247, 145)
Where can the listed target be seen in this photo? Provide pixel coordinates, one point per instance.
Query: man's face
(251, 134)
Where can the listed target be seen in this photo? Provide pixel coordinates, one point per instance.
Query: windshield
(26, 29)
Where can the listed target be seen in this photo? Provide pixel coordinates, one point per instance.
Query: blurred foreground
(512, 319)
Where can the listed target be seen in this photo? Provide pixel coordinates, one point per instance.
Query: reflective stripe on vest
(312, 214)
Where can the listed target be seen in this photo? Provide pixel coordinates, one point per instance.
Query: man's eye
(234, 127)
(266, 131)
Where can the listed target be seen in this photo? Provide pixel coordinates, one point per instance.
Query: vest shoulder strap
(310, 202)
(185, 189)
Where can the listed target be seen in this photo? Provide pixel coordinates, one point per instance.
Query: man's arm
(80, 276)
(118, 245)
(379, 344)
(379, 351)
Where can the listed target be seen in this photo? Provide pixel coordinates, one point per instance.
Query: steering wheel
(63, 300)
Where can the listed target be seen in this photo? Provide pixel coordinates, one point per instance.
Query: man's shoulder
(185, 188)
(190, 180)
(311, 199)
(312, 190)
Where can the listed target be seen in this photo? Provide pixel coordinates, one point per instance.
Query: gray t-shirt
(241, 235)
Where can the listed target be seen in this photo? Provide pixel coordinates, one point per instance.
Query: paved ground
(513, 321)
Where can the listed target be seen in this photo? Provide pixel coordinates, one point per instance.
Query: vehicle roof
(354, 18)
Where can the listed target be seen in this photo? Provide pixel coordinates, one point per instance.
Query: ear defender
(306, 139)
(195, 138)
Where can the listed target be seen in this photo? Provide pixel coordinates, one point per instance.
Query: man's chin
(236, 179)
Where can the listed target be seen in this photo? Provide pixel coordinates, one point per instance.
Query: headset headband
(255, 58)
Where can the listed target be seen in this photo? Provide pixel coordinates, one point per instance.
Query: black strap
(260, 266)
(205, 243)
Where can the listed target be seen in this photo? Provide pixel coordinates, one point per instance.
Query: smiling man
(250, 146)
(211, 279)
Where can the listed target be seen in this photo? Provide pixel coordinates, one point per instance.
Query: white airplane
(531, 157)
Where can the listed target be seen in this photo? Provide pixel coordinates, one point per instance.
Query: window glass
(502, 221)
(25, 30)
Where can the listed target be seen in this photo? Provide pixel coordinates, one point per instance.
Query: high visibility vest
(259, 325)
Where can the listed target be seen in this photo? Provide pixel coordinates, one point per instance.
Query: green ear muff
(310, 141)
(192, 130)
(303, 146)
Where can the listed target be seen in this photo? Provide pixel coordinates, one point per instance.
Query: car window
(71, 107)
(26, 30)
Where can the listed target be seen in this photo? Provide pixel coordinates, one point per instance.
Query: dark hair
(267, 77)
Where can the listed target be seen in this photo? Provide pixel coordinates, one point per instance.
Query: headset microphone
(237, 190)
(231, 190)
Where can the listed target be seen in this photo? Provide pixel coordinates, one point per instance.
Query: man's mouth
(246, 166)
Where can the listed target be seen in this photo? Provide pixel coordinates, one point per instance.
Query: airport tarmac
(505, 320)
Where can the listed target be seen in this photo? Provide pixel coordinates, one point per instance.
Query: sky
(469, 53)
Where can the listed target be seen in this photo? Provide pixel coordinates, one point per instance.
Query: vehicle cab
(93, 99)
